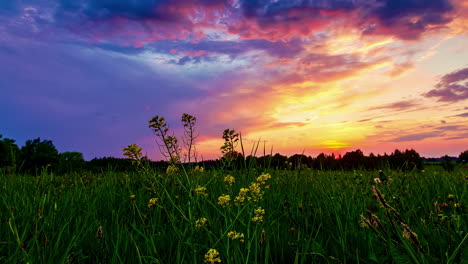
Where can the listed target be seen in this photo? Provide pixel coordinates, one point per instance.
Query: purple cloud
(452, 87)
(416, 137)
(401, 105)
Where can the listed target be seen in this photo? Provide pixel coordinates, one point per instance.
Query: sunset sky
(302, 76)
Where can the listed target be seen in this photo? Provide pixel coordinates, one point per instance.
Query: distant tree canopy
(9, 152)
(447, 163)
(37, 154)
(463, 157)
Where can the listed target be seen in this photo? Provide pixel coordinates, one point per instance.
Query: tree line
(38, 155)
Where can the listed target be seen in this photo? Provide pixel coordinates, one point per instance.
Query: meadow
(188, 215)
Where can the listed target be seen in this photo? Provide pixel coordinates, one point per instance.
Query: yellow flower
(451, 196)
(133, 152)
(212, 256)
(233, 235)
(198, 169)
(240, 199)
(259, 213)
(132, 197)
(152, 202)
(172, 169)
(263, 178)
(229, 180)
(256, 193)
(224, 200)
(200, 190)
(201, 222)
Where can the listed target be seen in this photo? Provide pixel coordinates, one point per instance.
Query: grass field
(296, 216)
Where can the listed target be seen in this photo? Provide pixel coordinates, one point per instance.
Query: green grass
(311, 217)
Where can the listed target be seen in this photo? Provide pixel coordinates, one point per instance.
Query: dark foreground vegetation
(58, 208)
(243, 216)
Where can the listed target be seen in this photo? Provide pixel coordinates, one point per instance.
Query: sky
(299, 76)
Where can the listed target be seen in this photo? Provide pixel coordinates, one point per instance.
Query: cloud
(138, 23)
(452, 87)
(403, 19)
(416, 137)
(450, 128)
(458, 136)
(401, 105)
(462, 114)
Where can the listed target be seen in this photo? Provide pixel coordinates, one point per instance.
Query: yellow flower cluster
(152, 202)
(235, 235)
(240, 199)
(201, 222)
(224, 200)
(200, 190)
(198, 169)
(256, 193)
(212, 256)
(172, 169)
(263, 178)
(229, 180)
(133, 152)
(259, 213)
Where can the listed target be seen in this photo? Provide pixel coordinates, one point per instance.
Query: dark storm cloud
(148, 21)
(453, 87)
(137, 10)
(404, 19)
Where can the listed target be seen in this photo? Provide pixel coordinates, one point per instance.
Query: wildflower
(263, 178)
(233, 235)
(411, 236)
(262, 238)
(212, 256)
(198, 169)
(224, 200)
(201, 191)
(364, 223)
(132, 197)
(450, 196)
(172, 169)
(444, 205)
(255, 192)
(99, 233)
(152, 202)
(229, 180)
(240, 199)
(201, 222)
(259, 213)
(133, 152)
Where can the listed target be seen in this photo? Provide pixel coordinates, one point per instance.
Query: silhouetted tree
(70, 161)
(352, 160)
(9, 152)
(463, 157)
(447, 163)
(36, 154)
(325, 162)
(300, 160)
(279, 161)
